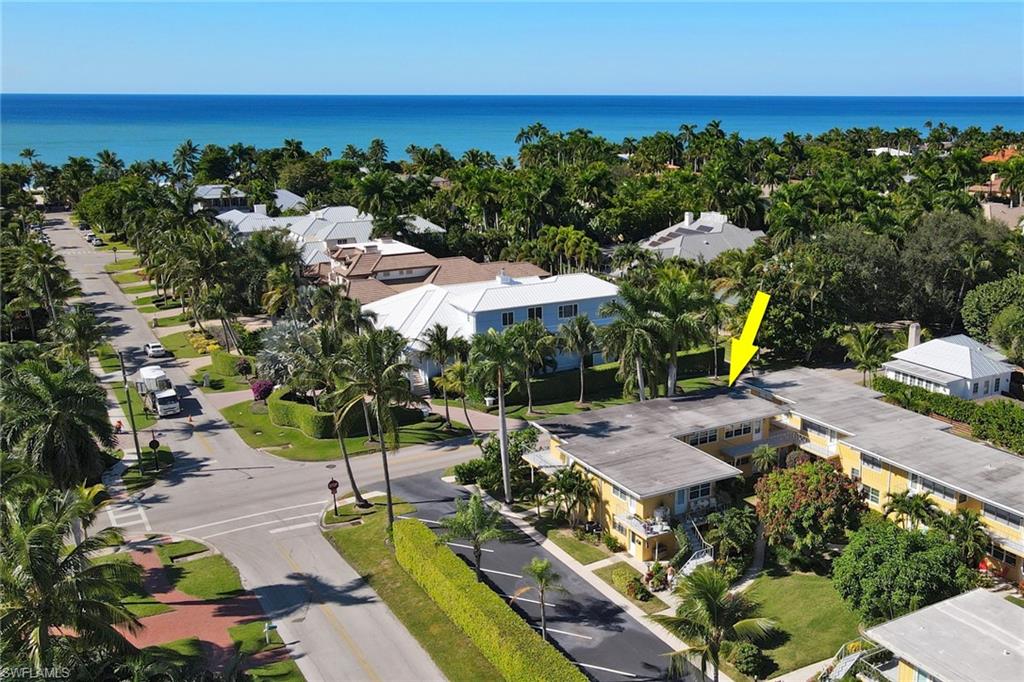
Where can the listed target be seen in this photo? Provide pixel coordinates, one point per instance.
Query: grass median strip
(251, 639)
(142, 419)
(364, 548)
(135, 480)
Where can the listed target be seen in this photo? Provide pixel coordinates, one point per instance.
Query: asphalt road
(609, 644)
(260, 510)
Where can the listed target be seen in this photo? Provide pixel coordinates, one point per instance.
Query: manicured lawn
(813, 620)
(178, 344)
(219, 383)
(258, 431)
(179, 650)
(139, 289)
(111, 243)
(364, 547)
(652, 605)
(139, 602)
(350, 512)
(581, 551)
(134, 480)
(128, 277)
(107, 356)
(171, 320)
(154, 303)
(210, 578)
(142, 420)
(250, 639)
(1015, 600)
(176, 550)
(122, 265)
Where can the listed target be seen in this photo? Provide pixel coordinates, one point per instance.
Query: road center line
(455, 544)
(491, 570)
(573, 634)
(597, 667)
(249, 516)
(257, 525)
(308, 524)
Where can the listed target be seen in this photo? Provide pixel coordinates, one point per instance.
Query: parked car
(98, 242)
(155, 350)
(83, 226)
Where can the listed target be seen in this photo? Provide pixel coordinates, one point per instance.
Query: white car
(154, 350)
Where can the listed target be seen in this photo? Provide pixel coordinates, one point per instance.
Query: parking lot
(605, 641)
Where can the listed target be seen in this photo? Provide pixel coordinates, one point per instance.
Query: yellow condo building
(662, 463)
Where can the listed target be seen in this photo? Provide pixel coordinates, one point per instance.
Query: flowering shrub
(261, 389)
(243, 367)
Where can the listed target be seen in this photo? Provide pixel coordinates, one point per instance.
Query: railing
(703, 555)
(855, 657)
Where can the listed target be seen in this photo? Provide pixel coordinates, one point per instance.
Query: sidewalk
(207, 621)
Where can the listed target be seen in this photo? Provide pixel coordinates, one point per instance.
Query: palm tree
(966, 531)
(438, 348)
(185, 157)
(340, 431)
(571, 491)
(282, 291)
(76, 333)
(373, 372)
(710, 615)
(910, 509)
(579, 337)
(632, 336)
(51, 588)
(764, 458)
(455, 378)
(536, 347)
(545, 580)
(56, 420)
(493, 358)
(865, 347)
(676, 304)
(476, 523)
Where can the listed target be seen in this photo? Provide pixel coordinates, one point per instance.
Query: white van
(157, 391)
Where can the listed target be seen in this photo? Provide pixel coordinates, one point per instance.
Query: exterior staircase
(704, 554)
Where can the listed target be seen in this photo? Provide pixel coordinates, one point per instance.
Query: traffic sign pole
(333, 487)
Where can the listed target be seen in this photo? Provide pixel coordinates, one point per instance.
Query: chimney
(261, 209)
(502, 278)
(688, 218)
(913, 335)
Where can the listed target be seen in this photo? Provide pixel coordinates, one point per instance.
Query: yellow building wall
(905, 672)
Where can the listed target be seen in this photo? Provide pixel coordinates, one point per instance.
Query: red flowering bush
(261, 388)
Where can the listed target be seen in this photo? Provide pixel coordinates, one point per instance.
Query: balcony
(645, 528)
(778, 438)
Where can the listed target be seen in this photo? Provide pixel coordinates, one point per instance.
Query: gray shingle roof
(705, 237)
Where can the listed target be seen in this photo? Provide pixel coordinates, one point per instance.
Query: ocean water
(151, 126)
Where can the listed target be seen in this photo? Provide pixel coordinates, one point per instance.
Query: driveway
(605, 641)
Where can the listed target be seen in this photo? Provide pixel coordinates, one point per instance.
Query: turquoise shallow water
(150, 126)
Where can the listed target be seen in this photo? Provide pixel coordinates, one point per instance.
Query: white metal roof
(215, 192)
(502, 294)
(705, 237)
(959, 355)
(287, 201)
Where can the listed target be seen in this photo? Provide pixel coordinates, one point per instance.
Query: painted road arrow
(742, 350)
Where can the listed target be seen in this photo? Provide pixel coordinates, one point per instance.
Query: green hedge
(224, 362)
(998, 421)
(285, 411)
(306, 418)
(506, 640)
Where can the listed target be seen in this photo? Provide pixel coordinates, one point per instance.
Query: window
(740, 461)
(997, 552)
(815, 428)
(855, 473)
(567, 310)
(736, 430)
(922, 676)
(920, 483)
(702, 490)
(985, 391)
(508, 319)
(701, 437)
(995, 385)
(870, 494)
(536, 313)
(1001, 515)
(974, 389)
(619, 528)
(869, 462)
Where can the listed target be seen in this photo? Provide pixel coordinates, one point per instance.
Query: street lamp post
(131, 412)
(333, 487)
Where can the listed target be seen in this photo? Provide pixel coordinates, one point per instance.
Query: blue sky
(515, 48)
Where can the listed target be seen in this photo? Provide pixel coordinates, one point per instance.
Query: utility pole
(131, 412)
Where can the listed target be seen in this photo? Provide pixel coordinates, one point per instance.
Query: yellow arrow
(742, 350)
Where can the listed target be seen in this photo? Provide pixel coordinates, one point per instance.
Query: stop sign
(333, 486)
